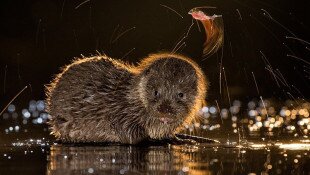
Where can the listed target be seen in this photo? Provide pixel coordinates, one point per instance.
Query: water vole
(100, 99)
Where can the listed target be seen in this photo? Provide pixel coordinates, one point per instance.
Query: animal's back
(78, 96)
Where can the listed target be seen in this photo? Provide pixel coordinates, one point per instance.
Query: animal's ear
(147, 71)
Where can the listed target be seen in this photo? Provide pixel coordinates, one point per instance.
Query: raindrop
(224, 113)
(40, 105)
(26, 113)
(25, 122)
(11, 108)
(269, 167)
(252, 113)
(32, 105)
(16, 128)
(234, 118)
(39, 120)
(205, 109)
(90, 170)
(212, 110)
(122, 171)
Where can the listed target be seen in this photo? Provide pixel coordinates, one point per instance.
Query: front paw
(197, 139)
(179, 141)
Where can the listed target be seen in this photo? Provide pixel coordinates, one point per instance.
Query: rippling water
(165, 159)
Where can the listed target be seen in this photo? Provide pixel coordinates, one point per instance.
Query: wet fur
(100, 99)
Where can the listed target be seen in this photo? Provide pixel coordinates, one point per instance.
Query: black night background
(39, 37)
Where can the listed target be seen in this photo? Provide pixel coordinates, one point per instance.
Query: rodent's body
(100, 99)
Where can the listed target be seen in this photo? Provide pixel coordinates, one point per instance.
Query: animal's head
(171, 90)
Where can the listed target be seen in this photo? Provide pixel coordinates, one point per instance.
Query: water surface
(263, 139)
(39, 158)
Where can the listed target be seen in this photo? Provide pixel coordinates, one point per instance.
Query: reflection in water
(295, 146)
(115, 160)
(175, 160)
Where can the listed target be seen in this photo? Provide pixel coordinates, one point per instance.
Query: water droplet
(32, 105)
(90, 170)
(205, 109)
(16, 128)
(39, 120)
(11, 108)
(26, 113)
(40, 105)
(269, 167)
(212, 110)
(122, 171)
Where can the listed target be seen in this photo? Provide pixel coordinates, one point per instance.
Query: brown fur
(100, 99)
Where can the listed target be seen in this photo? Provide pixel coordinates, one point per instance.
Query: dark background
(37, 37)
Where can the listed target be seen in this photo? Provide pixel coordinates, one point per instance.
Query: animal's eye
(156, 93)
(180, 95)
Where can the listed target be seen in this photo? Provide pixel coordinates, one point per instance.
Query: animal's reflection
(196, 160)
(123, 160)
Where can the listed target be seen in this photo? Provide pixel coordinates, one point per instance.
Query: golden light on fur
(90, 97)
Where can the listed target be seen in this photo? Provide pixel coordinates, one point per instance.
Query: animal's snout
(165, 108)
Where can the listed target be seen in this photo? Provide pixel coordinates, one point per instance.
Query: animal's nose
(165, 108)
